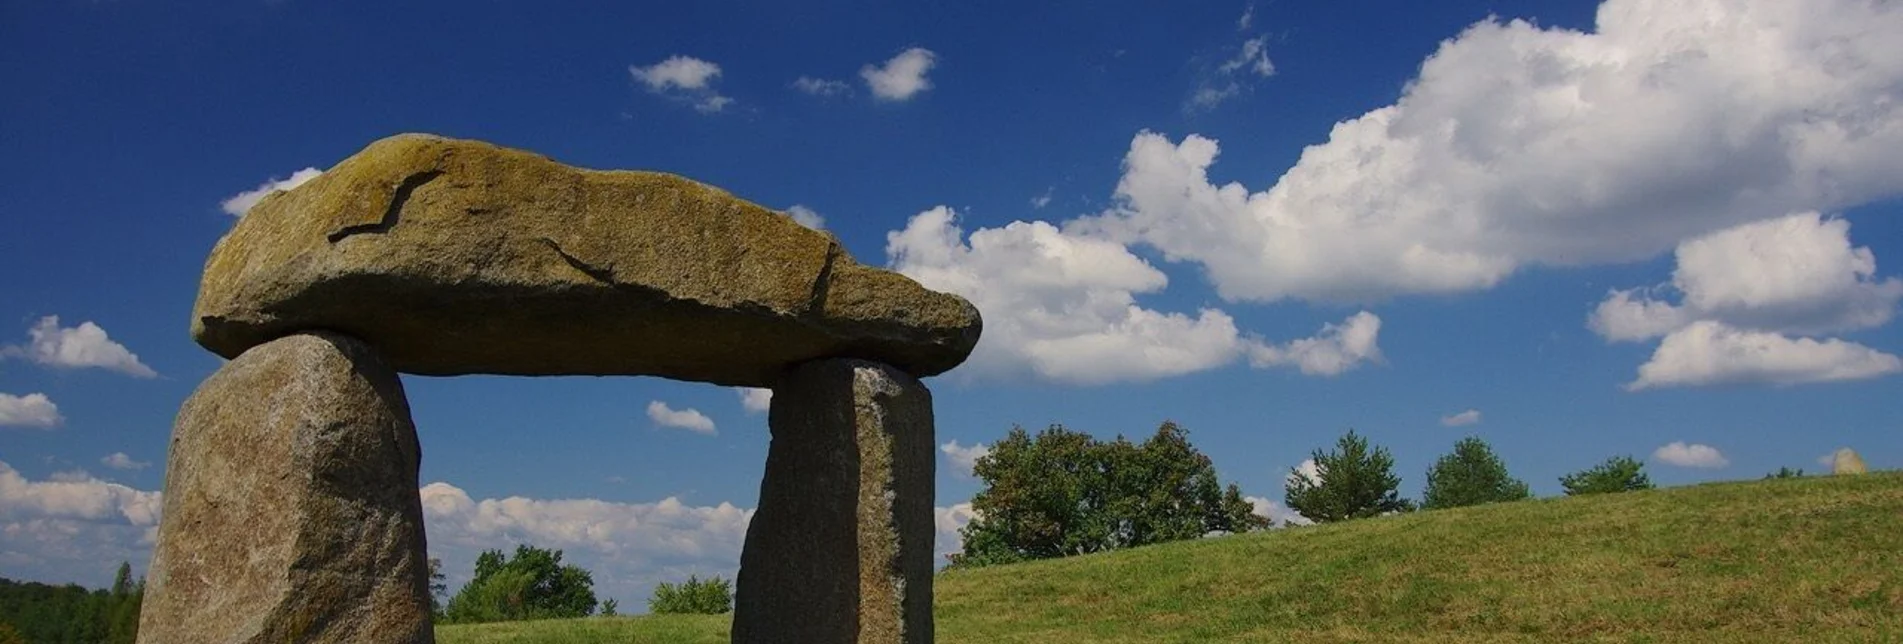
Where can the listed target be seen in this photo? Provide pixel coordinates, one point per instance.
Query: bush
(696, 596)
(1471, 475)
(1617, 474)
(1066, 493)
(1353, 482)
(532, 585)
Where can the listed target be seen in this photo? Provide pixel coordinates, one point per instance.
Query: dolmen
(291, 508)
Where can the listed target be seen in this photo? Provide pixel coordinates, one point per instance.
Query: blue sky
(1601, 229)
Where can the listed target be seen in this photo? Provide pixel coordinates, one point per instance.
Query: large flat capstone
(291, 512)
(457, 257)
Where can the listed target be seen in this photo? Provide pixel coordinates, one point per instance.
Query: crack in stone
(816, 303)
(392, 213)
(605, 276)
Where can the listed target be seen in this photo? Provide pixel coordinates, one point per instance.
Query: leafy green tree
(1616, 474)
(123, 602)
(500, 596)
(39, 612)
(1785, 473)
(1065, 493)
(534, 584)
(1471, 475)
(610, 607)
(437, 587)
(711, 596)
(1352, 482)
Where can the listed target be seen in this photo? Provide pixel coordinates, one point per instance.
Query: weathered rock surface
(456, 257)
(1848, 462)
(840, 549)
(291, 508)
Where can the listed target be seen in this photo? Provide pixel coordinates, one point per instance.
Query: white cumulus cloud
(821, 86)
(902, 77)
(1461, 419)
(1743, 292)
(1338, 348)
(1307, 469)
(947, 522)
(1693, 455)
(76, 496)
(806, 217)
(756, 400)
(83, 346)
(629, 547)
(1276, 513)
(1793, 274)
(1252, 58)
(683, 78)
(121, 461)
(963, 457)
(1712, 353)
(73, 528)
(31, 410)
(1521, 145)
(1062, 306)
(689, 419)
(239, 204)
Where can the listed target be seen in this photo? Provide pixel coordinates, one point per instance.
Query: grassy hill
(1815, 560)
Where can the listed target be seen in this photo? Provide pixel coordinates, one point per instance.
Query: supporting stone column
(291, 508)
(840, 549)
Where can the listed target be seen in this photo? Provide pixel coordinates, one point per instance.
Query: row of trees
(36, 612)
(1061, 492)
(1356, 480)
(535, 584)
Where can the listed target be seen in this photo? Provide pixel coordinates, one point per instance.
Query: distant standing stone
(291, 509)
(1847, 462)
(840, 549)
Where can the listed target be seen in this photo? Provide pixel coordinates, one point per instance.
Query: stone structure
(291, 512)
(291, 508)
(845, 511)
(1846, 461)
(458, 257)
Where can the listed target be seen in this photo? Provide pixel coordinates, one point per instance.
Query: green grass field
(1815, 560)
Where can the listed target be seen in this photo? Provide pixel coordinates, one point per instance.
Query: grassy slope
(1815, 560)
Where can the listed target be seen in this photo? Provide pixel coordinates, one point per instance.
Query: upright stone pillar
(291, 508)
(840, 549)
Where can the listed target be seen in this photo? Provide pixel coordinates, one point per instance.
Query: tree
(711, 596)
(1352, 482)
(1471, 475)
(1065, 493)
(532, 585)
(610, 607)
(1616, 474)
(437, 587)
(1785, 473)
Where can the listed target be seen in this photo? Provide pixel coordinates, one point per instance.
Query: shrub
(1471, 475)
(1353, 482)
(535, 584)
(711, 596)
(1617, 474)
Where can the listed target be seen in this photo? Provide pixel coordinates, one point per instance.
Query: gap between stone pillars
(840, 548)
(291, 509)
